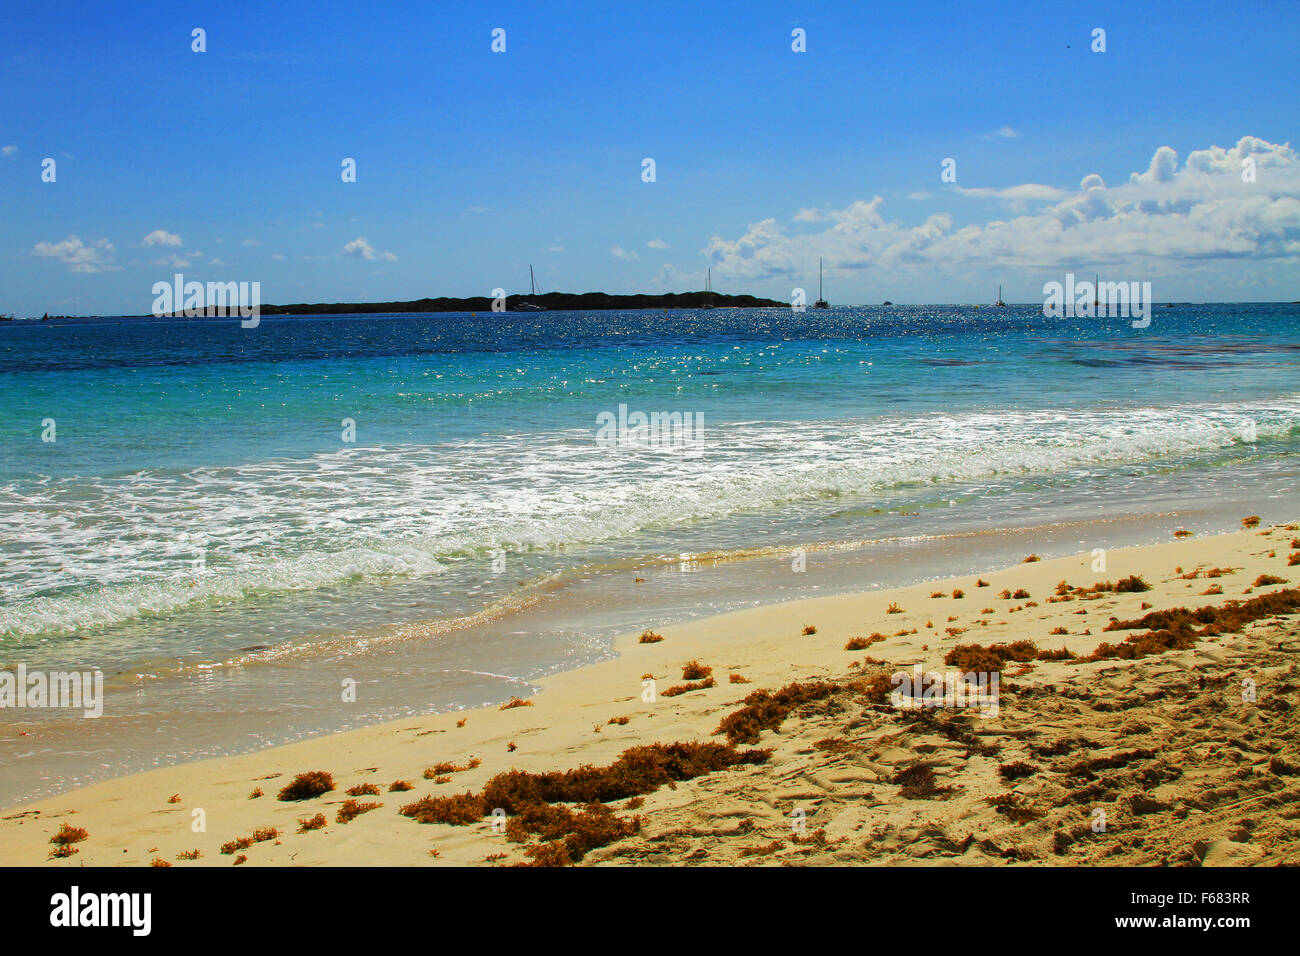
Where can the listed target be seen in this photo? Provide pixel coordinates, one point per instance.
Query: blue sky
(471, 165)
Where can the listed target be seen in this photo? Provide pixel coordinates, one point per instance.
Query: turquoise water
(200, 511)
(204, 441)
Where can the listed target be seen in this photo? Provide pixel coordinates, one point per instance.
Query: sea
(238, 525)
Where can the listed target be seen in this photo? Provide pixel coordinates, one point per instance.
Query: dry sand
(1184, 769)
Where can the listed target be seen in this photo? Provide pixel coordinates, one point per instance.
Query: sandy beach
(1180, 757)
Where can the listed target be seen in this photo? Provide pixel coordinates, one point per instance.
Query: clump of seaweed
(686, 688)
(255, 794)
(650, 637)
(638, 770)
(313, 783)
(917, 782)
(621, 721)
(694, 670)
(64, 839)
(447, 767)
(352, 809)
(765, 849)
(307, 824)
(362, 790)
(958, 593)
(399, 786)
(975, 657)
(243, 843)
(1016, 770)
(862, 643)
(189, 854)
(737, 679)
(765, 710)
(1031, 559)
(1250, 522)
(1014, 807)
(566, 836)
(1266, 579)
(159, 861)
(515, 702)
(893, 608)
(460, 809)
(808, 630)
(1177, 628)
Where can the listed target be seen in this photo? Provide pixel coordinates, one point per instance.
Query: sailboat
(708, 289)
(1000, 304)
(530, 306)
(820, 303)
(1096, 294)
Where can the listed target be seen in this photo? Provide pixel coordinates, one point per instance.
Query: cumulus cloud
(810, 215)
(658, 244)
(173, 261)
(8, 152)
(620, 253)
(1168, 215)
(161, 237)
(358, 248)
(78, 256)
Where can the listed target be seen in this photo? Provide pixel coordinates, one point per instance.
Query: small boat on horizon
(820, 303)
(708, 288)
(1000, 304)
(530, 306)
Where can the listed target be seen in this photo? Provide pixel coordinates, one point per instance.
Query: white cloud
(920, 194)
(8, 152)
(96, 256)
(174, 262)
(555, 248)
(1167, 217)
(161, 237)
(810, 215)
(621, 253)
(1021, 193)
(1005, 132)
(358, 248)
(251, 242)
(658, 244)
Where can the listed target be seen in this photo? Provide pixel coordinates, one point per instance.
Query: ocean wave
(96, 551)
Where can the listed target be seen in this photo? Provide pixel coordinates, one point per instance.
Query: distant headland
(550, 301)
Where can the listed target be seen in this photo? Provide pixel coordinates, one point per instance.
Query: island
(550, 301)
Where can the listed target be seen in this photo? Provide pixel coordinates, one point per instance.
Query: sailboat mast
(819, 277)
(532, 282)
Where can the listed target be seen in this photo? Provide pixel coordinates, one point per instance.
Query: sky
(471, 164)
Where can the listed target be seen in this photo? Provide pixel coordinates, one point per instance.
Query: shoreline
(572, 721)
